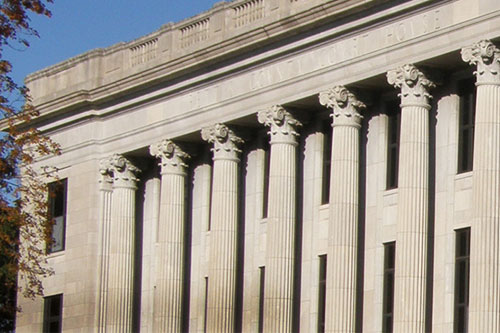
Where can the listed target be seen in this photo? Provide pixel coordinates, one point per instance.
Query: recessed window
(52, 314)
(393, 128)
(462, 263)
(467, 114)
(327, 162)
(265, 186)
(322, 294)
(205, 319)
(57, 212)
(262, 271)
(388, 296)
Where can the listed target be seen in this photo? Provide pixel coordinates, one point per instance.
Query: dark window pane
(265, 190)
(57, 212)
(261, 299)
(52, 314)
(327, 156)
(322, 294)
(394, 120)
(388, 293)
(462, 263)
(467, 110)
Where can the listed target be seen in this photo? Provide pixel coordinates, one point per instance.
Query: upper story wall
(228, 29)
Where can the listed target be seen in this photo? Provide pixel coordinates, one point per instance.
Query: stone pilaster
(484, 296)
(413, 195)
(281, 221)
(105, 192)
(121, 246)
(223, 233)
(171, 230)
(343, 210)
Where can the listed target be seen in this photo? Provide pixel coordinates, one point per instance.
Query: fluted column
(413, 195)
(171, 228)
(121, 246)
(224, 223)
(105, 191)
(343, 210)
(484, 296)
(280, 251)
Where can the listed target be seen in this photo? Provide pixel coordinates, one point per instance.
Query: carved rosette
(172, 157)
(414, 85)
(346, 107)
(281, 125)
(122, 171)
(484, 55)
(225, 142)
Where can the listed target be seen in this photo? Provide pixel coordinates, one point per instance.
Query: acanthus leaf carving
(486, 57)
(120, 169)
(172, 157)
(413, 83)
(344, 104)
(225, 142)
(282, 126)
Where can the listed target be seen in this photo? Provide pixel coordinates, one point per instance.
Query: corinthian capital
(106, 175)
(414, 85)
(281, 124)
(484, 55)
(122, 171)
(344, 104)
(172, 157)
(225, 142)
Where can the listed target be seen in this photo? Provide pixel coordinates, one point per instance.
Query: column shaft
(411, 235)
(410, 277)
(342, 255)
(485, 232)
(280, 252)
(121, 261)
(343, 230)
(170, 256)
(223, 247)
(103, 270)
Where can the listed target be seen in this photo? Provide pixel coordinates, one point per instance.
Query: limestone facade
(219, 167)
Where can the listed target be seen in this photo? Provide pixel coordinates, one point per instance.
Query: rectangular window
(393, 128)
(388, 296)
(52, 314)
(262, 271)
(467, 114)
(327, 156)
(462, 262)
(57, 212)
(206, 305)
(265, 188)
(322, 294)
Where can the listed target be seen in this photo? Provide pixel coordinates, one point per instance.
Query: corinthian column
(413, 194)
(105, 191)
(121, 246)
(280, 253)
(170, 272)
(224, 223)
(484, 302)
(343, 221)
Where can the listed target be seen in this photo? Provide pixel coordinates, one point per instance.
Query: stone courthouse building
(279, 166)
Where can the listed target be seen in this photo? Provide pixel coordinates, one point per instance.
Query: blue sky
(77, 26)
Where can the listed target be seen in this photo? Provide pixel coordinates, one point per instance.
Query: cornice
(194, 58)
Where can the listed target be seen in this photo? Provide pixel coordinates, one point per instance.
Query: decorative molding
(225, 142)
(121, 169)
(281, 123)
(486, 56)
(414, 85)
(345, 105)
(172, 157)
